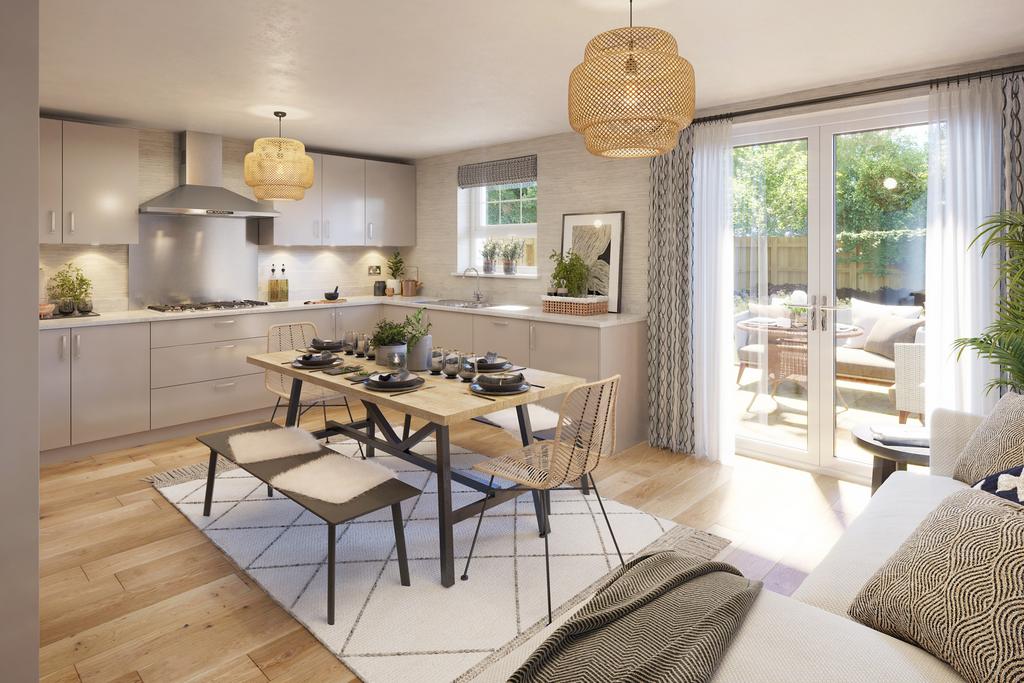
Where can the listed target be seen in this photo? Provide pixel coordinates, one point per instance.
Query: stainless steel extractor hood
(201, 192)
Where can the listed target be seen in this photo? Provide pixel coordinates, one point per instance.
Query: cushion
(270, 444)
(334, 478)
(770, 311)
(1008, 484)
(889, 331)
(996, 445)
(865, 314)
(956, 588)
(861, 363)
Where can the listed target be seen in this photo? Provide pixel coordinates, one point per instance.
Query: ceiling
(413, 78)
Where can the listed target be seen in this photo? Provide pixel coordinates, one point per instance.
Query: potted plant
(396, 269)
(389, 338)
(511, 251)
(490, 253)
(70, 289)
(570, 275)
(420, 342)
(1002, 342)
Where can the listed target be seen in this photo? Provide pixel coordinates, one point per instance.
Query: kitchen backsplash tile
(105, 265)
(312, 271)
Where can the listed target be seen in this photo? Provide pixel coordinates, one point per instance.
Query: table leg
(406, 426)
(371, 431)
(403, 559)
(444, 507)
(880, 471)
(211, 473)
(293, 403)
(330, 574)
(526, 435)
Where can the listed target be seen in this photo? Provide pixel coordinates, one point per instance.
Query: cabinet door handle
(533, 345)
(499, 323)
(223, 323)
(78, 346)
(316, 229)
(226, 385)
(227, 346)
(71, 218)
(63, 346)
(53, 221)
(370, 226)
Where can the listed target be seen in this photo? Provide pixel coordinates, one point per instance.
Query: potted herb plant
(570, 275)
(389, 338)
(419, 340)
(490, 253)
(70, 289)
(396, 269)
(511, 251)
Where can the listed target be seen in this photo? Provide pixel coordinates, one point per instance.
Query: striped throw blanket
(663, 617)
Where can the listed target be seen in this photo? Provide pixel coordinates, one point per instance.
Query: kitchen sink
(456, 303)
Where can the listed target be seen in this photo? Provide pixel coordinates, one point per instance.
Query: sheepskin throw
(332, 478)
(271, 444)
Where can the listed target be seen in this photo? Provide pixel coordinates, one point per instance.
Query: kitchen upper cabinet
(300, 220)
(100, 184)
(344, 201)
(54, 389)
(109, 381)
(50, 172)
(390, 204)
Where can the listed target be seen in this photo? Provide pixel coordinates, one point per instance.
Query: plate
(320, 366)
(494, 367)
(317, 360)
(509, 390)
(406, 381)
(401, 386)
(326, 345)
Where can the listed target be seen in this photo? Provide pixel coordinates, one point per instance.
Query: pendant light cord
(631, 13)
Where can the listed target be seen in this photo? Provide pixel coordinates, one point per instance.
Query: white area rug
(386, 632)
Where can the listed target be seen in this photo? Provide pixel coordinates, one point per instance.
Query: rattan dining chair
(585, 433)
(295, 336)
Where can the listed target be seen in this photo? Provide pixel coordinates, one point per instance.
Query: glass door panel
(879, 198)
(770, 294)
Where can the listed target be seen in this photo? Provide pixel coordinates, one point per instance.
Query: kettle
(379, 288)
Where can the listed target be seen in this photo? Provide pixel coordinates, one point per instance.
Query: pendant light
(632, 94)
(278, 168)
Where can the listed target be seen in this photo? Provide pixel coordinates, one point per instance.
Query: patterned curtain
(669, 310)
(1013, 142)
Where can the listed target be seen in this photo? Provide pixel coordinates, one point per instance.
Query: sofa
(808, 638)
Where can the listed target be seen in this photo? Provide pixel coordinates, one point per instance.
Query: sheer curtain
(964, 168)
(712, 291)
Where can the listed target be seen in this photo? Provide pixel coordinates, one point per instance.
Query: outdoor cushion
(770, 311)
(861, 363)
(889, 331)
(866, 314)
(751, 354)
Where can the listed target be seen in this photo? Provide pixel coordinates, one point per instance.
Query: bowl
(500, 379)
(331, 296)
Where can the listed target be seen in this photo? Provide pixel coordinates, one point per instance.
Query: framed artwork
(597, 238)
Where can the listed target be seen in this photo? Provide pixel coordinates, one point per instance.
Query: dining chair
(585, 433)
(295, 336)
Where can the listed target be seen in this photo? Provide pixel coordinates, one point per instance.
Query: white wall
(19, 401)
(569, 180)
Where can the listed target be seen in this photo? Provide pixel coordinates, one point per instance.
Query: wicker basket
(571, 305)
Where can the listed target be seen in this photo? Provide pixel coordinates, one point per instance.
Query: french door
(829, 240)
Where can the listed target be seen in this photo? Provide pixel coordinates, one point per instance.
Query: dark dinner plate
(326, 345)
(409, 383)
(497, 365)
(316, 360)
(505, 390)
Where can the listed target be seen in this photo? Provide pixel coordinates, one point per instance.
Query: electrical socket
(373, 270)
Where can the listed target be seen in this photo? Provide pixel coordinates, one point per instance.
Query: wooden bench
(390, 493)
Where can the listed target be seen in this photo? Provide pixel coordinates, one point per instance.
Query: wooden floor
(131, 591)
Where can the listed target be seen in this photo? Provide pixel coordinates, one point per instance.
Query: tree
(770, 189)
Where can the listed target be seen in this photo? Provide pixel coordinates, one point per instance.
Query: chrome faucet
(477, 294)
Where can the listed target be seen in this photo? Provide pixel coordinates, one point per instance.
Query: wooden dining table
(441, 403)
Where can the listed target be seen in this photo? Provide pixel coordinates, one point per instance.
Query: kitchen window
(497, 207)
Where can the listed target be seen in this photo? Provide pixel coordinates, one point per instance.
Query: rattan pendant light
(632, 94)
(278, 168)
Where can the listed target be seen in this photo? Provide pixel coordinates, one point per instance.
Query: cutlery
(486, 398)
(409, 391)
(539, 386)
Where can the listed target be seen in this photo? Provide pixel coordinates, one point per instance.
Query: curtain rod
(990, 73)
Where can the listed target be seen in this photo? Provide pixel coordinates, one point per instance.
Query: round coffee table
(888, 458)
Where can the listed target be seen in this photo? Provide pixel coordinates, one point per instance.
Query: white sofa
(808, 638)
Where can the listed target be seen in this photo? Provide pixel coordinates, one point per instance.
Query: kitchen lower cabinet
(173, 365)
(54, 389)
(568, 349)
(203, 400)
(451, 330)
(505, 336)
(358, 319)
(109, 381)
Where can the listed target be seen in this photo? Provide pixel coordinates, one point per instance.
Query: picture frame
(597, 237)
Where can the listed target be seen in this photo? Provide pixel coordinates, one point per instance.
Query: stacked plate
(315, 360)
(500, 384)
(493, 363)
(326, 344)
(393, 381)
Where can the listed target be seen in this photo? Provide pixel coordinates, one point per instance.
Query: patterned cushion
(996, 445)
(1008, 484)
(955, 588)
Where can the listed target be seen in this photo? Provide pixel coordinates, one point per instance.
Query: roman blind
(500, 172)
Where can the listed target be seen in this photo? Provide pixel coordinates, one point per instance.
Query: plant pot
(84, 306)
(66, 306)
(509, 267)
(384, 351)
(561, 291)
(394, 284)
(419, 354)
(488, 266)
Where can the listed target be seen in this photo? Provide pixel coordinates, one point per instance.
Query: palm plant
(1002, 342)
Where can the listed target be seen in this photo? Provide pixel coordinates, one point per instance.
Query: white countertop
(534, 313)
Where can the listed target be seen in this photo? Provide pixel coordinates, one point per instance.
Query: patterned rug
(386, 632)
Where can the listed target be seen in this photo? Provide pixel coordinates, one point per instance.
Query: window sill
(502, 276)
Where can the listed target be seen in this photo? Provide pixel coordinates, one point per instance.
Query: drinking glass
(436, 360)
(395, 361)
(451, 364)
(349, 343)
(467, 366)
(361, 342)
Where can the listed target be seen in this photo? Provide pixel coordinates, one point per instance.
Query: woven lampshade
(278, 168)
(632, 94)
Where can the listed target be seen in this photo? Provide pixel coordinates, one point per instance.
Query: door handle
(824, 313)
(63, 346)
(71, 219)
(53, 221)
(499, 324)
(532, 338)
(316, 229)
(78, 346)
(814, 312)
